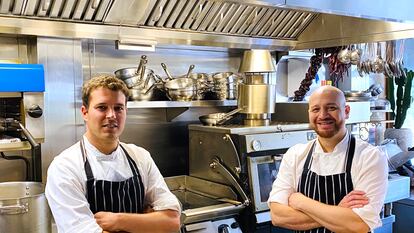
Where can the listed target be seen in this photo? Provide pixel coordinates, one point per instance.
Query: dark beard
(327, 134)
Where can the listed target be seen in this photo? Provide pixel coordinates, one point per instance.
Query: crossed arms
(155, 221)
(303, 213)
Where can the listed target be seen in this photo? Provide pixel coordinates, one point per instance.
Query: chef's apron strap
(309, 157)
(132, 164)
(350, 154)
(88, 170)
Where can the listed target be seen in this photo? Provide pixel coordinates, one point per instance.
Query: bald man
(335, 183)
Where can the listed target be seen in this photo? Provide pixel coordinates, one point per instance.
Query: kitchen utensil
(164, 66)
(180, 89)
(218, 118)
(344, 56)
(133, 76)
(355, 56)
(141, 62)
(190, 69)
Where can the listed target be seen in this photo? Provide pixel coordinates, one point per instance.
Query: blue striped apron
(125, 196)
(327, 189)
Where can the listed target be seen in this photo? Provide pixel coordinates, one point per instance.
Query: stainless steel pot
(24, 208)
(180, 89)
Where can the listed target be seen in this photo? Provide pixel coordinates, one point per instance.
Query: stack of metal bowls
(181, 89)
(202, 84)
(225, 85)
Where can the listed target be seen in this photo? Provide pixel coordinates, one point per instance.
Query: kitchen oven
(262, 172)
(245, 159)
(21, 116)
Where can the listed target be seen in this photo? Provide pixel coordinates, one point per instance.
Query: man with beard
(103, 185)
(335, 183)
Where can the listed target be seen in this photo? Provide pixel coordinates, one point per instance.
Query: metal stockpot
(24, 208)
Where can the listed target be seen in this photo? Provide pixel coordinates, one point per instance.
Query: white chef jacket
(369, 172)
(66, 184)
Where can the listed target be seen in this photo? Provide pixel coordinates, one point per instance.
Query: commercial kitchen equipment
(256, 95)
(21, 115)
(265, 24)
(247, 160)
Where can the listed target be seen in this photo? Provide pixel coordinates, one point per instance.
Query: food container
(24, 208)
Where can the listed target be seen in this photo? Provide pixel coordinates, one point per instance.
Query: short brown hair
(107, 81)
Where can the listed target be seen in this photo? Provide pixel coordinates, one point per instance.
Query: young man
(333, 184)
(103, 185)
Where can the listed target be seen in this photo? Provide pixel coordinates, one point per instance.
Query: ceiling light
(137, 45)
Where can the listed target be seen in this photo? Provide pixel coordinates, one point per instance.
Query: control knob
(256, 145)
(35, 111)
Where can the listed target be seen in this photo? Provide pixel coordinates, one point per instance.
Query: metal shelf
(180, 104)
(15, 146)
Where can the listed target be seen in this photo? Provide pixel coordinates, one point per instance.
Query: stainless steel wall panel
(68, 8)
(202, 12)
(166, 13)
(156, 13)
(257, 20)
(185, 13)
(208, 20)
(62, 62)
(80, 9)
(5, 6)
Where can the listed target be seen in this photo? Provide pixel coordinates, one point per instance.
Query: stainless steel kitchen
(221, 95)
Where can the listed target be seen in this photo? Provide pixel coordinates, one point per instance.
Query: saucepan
(133, 76)
(218, 118)
(180, 89)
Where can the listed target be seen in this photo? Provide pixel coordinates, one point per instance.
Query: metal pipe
(28, 136)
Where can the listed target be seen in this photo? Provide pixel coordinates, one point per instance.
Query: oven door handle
(220, 168)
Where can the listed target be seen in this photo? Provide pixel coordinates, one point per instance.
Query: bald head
(328, 91)
(328, 112)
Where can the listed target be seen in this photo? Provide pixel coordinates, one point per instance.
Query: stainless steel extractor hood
(260, 24)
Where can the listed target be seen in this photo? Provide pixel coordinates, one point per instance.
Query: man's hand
(354, 199)
(107, 221)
